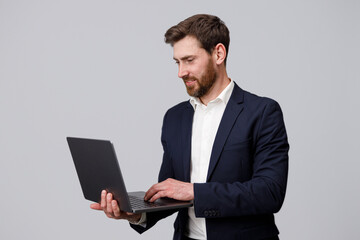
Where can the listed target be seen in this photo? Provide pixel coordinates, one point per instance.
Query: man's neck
(219, 85)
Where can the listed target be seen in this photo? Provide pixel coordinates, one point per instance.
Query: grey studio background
(100, 69)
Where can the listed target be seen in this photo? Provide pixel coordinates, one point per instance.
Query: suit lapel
(186, 130)
(232, 111)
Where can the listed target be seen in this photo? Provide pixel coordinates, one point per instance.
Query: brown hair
(209, 30)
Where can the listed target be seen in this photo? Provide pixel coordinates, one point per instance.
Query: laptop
(98, 169)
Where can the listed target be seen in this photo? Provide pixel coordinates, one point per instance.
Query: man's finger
(108, 203)
(116, 209)
(149, 193)
(157, 196)
(109, 215)
(103, 200)
(153, 190)
(95, 206)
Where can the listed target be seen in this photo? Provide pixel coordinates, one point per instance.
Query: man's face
(196, 67)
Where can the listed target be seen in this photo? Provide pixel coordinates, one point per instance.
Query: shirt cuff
(141, 222)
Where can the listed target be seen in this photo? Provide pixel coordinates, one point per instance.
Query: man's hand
(170, 188)
(111, 208)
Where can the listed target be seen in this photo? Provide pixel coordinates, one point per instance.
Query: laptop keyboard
(137, 202)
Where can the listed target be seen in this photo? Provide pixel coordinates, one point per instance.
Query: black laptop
(98, 169)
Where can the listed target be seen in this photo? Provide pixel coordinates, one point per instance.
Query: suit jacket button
(206, 213)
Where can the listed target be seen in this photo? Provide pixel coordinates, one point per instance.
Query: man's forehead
(187, 46)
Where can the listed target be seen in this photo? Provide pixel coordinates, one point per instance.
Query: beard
(204, 84)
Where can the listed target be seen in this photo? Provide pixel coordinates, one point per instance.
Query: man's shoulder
(176, 114)
(253, 100)
(179, 108)
(251, 97)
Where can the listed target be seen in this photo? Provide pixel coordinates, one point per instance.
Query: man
(226, 149)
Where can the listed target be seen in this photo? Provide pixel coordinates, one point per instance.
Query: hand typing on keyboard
(170, 188)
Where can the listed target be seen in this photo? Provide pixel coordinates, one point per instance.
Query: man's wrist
(139, 220)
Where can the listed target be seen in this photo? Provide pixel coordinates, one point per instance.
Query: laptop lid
(98, 169)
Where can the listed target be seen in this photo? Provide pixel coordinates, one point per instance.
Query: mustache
(187, 78)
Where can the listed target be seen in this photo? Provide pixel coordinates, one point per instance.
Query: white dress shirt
(206, 122)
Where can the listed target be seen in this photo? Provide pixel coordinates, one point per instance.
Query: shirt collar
(224, 96)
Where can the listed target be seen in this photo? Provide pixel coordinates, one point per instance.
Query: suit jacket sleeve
(264, 191)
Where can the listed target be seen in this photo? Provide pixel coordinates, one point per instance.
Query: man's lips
(189, 82)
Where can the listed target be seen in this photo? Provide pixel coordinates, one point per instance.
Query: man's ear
(219, 53)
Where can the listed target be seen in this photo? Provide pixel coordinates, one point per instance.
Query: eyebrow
(184, 58)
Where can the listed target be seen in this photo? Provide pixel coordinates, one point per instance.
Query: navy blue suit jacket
(247, 174)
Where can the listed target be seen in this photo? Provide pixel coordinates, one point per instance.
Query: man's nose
(182, 71)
